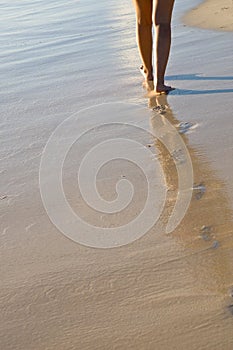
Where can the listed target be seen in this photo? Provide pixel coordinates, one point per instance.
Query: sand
(211, 14)
(163, 291)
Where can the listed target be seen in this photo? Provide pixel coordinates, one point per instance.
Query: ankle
(160, 82)
(148, 73)
(149, 77)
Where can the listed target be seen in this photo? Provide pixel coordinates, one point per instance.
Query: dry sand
(211, 14)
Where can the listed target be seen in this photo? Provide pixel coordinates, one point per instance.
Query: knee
(162, 22)
(143, 21)
(163, 26)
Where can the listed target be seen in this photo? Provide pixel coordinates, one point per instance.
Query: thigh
(144, 9)
(163, 11)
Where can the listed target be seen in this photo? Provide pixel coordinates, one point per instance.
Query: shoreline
(211, 14)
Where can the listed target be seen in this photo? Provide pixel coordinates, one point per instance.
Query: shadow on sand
(195, 76)
(200, 92)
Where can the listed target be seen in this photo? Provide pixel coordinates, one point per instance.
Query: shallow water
(162, 291)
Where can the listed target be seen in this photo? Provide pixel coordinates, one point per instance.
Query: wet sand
(211, 14)
(163, 291)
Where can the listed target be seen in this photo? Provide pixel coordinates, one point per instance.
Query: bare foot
(163, 89)
(148, 85)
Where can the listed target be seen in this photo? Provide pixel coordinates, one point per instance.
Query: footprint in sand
(200, 190)
(179, 156)
(184, 127)
(207, 235)
(215, 244)
(161, 109)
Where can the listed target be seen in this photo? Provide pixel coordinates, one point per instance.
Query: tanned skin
(159, 14)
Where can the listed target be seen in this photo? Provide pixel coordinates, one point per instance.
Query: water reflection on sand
(207, 227)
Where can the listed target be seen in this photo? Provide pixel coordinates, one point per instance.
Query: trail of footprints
(206, 233)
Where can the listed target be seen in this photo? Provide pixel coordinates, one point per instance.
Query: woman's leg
(162, 20)
(144, 10)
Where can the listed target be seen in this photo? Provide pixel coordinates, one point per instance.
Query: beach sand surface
(211, 14)
(162, 291)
